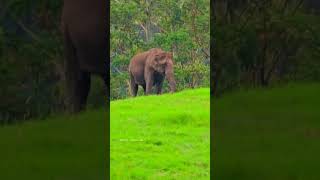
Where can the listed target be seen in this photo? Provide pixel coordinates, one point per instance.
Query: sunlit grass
(161, 137)
(154, 137)
(61, 147)
(268, 134)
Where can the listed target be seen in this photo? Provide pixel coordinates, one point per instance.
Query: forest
(31, 51)
(31, 59)
(264, 89)
(264, 43)
(253, 44)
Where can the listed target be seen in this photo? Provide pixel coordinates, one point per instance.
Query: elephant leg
(133, 86)
(159, 87)
(159, 84)
(144, 88)
(149, 84)
(83, 89)
(134, 90)
(105, 80)
(106, 86)
(71, 73)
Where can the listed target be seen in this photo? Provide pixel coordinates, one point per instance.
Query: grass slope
(161, 137)
(268, 134)
(62, 148)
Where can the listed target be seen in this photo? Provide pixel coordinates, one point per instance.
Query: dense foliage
(31, 61)
(31, 50)
(181, 27)
(254, 43)
(262, 43)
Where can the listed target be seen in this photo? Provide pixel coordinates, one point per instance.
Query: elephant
(84, 30)
(149, 69)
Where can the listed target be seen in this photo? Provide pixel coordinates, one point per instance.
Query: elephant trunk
(170, 78)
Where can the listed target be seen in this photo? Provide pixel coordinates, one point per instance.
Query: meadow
(161, 137)
(57, 148)
(258, 134)
(154, 137)
(268, 134)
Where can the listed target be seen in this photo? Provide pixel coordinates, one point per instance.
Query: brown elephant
(84, 29)
(149, 69)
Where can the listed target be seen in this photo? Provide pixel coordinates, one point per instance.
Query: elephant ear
(170, 55)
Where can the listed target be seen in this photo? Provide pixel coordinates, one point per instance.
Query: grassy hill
(258, 134)
(58, 148)
(161, 137)
(157, 137)
(268, 134)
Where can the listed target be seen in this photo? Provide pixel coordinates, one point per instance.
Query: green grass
(61, 148)
(268, 134)
(173, 129)
(161, 137)
(258, 134)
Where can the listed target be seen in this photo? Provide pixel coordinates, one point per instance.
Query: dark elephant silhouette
(84, 29)
(149, 69)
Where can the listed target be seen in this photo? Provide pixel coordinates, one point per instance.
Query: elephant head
(163, 63)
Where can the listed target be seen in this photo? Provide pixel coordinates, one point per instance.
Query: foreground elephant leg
(83, 89)
(71, 73)
(80, 92)
(106, 86)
